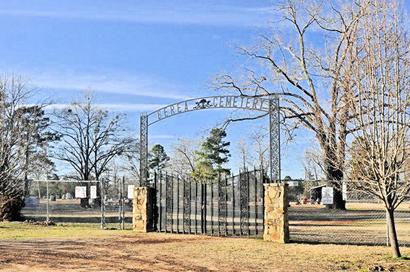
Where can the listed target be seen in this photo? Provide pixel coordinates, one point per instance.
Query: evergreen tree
(158, 157)
(213, 155)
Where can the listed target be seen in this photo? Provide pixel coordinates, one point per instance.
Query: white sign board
(130, 191)
(93, 192)
(344, 190)
(327, 195)
(80, 192)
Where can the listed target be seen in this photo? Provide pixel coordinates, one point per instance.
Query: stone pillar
(276, 225)
(142, 209)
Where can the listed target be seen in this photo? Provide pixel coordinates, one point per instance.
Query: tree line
(32, 138)
(203, 164)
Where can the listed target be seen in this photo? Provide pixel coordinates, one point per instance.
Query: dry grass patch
(127, 251)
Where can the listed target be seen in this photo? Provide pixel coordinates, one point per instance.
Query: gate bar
(178, 198)
(219, 208)
(172, 205)
(249, 198)
(196, 207)
(226, 205)
(159, 201)
(256, 199)
(233, 205)
(212, 208)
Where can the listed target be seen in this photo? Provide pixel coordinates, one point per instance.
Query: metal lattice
(222, 206)
(187, 206)
(143, 150)
(244, 201)
(169, 193)
(274, 140)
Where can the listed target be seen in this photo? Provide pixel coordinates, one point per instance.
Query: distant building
(316, 194)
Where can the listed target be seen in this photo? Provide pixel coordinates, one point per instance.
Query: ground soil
(171, 252)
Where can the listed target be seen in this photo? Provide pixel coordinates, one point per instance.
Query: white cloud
(106, 82)
(188, 12)
(137, 107)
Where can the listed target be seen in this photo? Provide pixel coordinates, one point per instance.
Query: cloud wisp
(137, 107)
(114, 83)
(187, 13)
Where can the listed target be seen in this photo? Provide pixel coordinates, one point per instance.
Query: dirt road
(169, 252)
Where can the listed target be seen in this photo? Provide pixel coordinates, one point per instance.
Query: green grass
(24, 231)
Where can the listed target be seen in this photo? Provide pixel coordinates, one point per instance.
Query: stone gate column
(276, 225)
(142, 209)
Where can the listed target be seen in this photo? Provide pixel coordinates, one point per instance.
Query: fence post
(142, 212)
(48, 204)
(102, 204)
(276, 225)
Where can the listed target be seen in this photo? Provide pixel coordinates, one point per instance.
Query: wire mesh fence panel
(402, 217)
(363, 222)
(69, 201)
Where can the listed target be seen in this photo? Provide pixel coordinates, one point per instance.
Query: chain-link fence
(363, 222)
(71, 201)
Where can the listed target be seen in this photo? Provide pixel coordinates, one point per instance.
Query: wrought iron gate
(228, 206)
(267, 104)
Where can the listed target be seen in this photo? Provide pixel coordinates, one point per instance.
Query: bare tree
(244, 153)
(381, 103)
(313, 165)
(310, 66)
(183, 157)
(259, 137)
(131, 158)
(90, 139)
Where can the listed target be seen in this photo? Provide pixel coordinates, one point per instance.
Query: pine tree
(213, 155)
(158, 157)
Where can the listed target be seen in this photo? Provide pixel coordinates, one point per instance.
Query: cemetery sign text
(210, 102)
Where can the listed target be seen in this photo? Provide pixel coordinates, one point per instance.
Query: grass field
(84, 247)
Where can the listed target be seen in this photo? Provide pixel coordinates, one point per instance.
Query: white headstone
(93, 192)
(327, 195)
(131, 191)
(80, 192)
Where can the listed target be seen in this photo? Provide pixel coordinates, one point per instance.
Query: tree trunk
(339, 203)
(391, 225)
(334, 177)
(85, 202)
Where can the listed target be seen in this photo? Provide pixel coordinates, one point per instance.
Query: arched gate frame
(268, 104)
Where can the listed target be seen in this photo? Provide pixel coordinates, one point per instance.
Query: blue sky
(138, 56)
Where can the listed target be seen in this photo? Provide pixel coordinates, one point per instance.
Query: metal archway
(268, 104)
